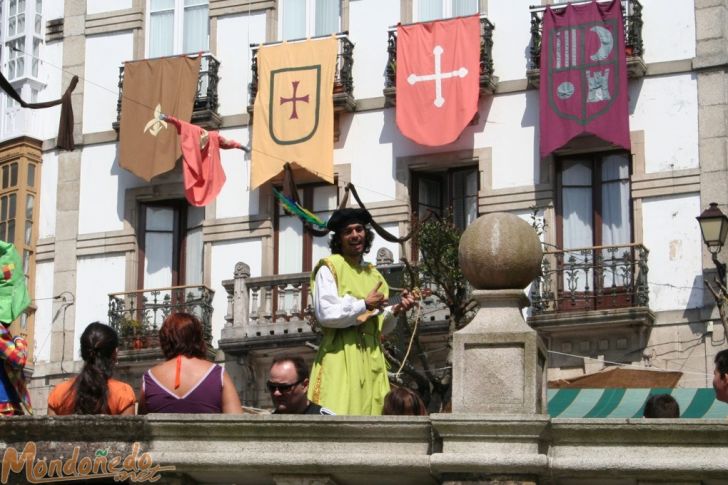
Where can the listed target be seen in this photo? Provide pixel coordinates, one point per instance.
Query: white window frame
(18, 13)
(447, 10)
(310, 19)
(177, 26)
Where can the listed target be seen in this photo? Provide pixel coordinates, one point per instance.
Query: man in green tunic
(349, 375)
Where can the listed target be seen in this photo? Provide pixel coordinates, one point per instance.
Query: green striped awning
(630, 403)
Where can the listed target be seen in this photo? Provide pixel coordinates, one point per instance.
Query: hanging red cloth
(203, 173)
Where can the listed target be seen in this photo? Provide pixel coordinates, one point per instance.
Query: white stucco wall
(96, 277)
(368, 24)
(380, 242)
(511, 37)
(668, 32)
(666, 108)
(367, 146)
(511, 129)
(53, 9)
(49, 189)
(104, 55)
(224, 257)
(102, 187)
(673, 238)
(44, 313)
(56, 83)
(236, 199)
(99, 6)
(235, 33)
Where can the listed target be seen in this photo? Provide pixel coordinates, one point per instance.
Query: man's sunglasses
(282, 388)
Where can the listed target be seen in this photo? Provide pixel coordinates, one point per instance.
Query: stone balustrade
(441, 448)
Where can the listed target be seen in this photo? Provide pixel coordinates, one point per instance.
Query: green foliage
(131, 327)
(438, 240)
(438, 269)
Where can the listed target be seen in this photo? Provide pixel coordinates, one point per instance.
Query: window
(308, 18)
(16, 18)
(177, 27)
(594, 211)
(453, 189)
(425, 10)
(170, 244)
(38, 30)
(594, 200)
(297, 250)
(36, 57)
(16, 58)
(19, 192)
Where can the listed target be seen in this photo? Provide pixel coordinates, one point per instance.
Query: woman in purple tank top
(187, 382)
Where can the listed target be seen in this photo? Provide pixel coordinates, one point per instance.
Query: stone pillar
(711, 29)
(240, 304)
(241, 299)
(496, 431)
(68, 190)
(498, 360)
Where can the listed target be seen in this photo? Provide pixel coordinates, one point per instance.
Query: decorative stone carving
(242, 270)
(384, 256)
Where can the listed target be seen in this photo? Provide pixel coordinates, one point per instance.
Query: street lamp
(714, 226)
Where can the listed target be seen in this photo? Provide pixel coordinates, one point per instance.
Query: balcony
(343, 77)
(204, 111)
(593, 300)
(138, 315)
(273, 311)
(487, 80)
(595, 278)
(632, 16)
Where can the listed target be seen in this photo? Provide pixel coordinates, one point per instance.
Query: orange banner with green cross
(293, 117)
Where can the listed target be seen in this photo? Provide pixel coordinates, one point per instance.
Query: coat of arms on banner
(583, 72)
(294, 104)
(294, 112)
(583, 75)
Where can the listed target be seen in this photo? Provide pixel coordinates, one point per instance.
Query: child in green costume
(14, 299)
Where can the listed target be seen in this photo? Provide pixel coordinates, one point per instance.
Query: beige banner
(293, 118)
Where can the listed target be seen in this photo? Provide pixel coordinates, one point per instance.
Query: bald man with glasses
(288, 385)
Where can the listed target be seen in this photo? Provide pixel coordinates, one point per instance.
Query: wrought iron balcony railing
(138, 315)
(595, 278)
(343, 77)
(632, 17)
(487, 79)
(265, 308)
(204, 111)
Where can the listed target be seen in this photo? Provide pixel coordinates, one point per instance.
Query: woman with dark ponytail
(93, 391)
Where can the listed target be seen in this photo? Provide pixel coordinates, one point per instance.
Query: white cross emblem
(437, 76)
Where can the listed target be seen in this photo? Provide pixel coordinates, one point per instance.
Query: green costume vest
(349, 375)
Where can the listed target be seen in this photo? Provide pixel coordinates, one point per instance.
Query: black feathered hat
(343, 217)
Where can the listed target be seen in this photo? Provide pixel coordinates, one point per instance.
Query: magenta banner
(583, 75)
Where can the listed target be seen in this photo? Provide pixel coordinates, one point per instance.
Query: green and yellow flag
(293, 117)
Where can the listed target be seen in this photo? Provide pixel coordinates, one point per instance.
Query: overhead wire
(117, 94)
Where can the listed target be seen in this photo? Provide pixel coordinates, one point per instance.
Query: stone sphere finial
(500, 251)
